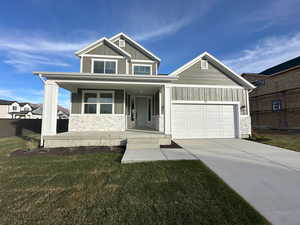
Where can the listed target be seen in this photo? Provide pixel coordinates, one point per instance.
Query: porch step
(149, 140)
(142, 146)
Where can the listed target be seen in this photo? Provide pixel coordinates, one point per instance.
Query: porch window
(98, 102)
(90, 103)
(106, 103)
(141, 69)
(104, 66)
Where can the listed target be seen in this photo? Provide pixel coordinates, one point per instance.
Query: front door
(141, 112)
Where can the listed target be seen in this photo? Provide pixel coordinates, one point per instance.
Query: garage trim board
(200, 119)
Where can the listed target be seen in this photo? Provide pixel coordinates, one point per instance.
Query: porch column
(49, 120)
(167, 109)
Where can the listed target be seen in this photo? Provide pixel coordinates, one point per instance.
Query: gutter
(103, 77)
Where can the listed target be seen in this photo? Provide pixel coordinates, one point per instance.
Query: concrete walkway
(267, 177)
(134, 155)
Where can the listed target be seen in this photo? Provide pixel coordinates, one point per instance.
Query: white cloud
(160, 21)
(163, 30)
(275, 12)
(31, 52)
(26, 62)
(13, 94)
(39, 45)
(267, 53)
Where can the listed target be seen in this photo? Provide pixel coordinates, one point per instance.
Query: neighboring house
(275, 102)
(62, 113)
(119, 88)
(16, 110)
(5, 107)
(24, 110)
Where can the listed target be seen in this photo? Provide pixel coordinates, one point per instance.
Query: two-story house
(119, 88)
(275, 102)
(24, 110)
(17, 110)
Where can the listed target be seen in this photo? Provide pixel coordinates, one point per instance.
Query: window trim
(104, 60)
(147, 65)
(98, 103)
(280, 105)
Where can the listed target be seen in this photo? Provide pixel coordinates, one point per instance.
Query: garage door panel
(203, 121)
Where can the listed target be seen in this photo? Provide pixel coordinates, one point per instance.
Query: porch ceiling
(133, 89)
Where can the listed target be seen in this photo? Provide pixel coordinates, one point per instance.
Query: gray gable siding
(103, 49)
(133, 51)
(76, 100)
(211, 76)
(211, 94)
(87, 65)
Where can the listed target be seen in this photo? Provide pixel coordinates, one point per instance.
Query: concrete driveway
(267, 177)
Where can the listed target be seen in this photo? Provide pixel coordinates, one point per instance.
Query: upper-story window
(142, 69)
(276, 105)
(14, 108)
(104, 66)
(258, 83)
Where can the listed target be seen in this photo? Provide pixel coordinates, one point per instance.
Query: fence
(23, 127)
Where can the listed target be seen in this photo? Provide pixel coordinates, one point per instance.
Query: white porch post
(49, 109)
(167, 109)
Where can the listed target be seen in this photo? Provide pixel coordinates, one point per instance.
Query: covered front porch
(103, 138)
(102, 110)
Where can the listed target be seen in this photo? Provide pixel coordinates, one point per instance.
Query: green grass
(97, 189)
(283, 140)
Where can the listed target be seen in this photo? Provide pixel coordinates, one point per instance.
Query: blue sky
(42, 35)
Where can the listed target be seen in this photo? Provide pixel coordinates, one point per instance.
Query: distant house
(62, 113)
(25, 110)
(275, 102)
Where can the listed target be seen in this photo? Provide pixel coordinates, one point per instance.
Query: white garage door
(203, 121)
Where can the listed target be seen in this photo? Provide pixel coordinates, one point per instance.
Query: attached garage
(205, 121)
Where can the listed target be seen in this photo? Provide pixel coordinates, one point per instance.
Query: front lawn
(97, 189)
(280, 139)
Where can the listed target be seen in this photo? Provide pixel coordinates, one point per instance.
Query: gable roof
(98, 43)
(282, 67)
(39, 110)
(6, 102)
(140, 47)
(216, 63)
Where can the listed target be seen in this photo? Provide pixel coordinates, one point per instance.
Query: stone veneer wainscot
(112, 122)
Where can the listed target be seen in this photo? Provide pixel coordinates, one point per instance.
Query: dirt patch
(69, 150)
(172, 145)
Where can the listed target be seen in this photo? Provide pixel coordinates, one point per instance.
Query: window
(106, 103)
(122, 43)
(104, 66)
(142, 69)
(90, 103)
(26, 109)
(258, 83)
(100, 102)
(204, 64)
(276, 105)
(14, 108)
